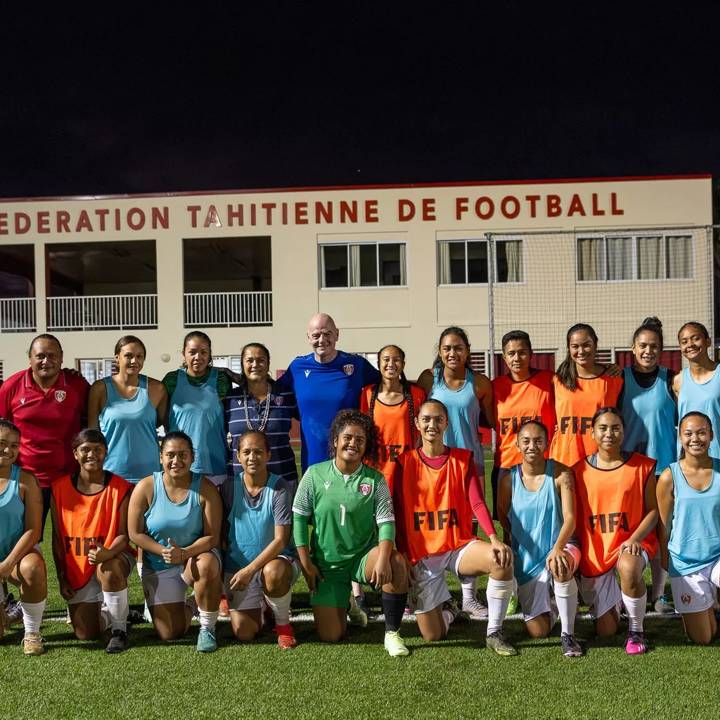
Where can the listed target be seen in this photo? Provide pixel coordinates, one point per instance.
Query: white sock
(659, 577)
(208, 619)
(636, 611)
(566, 597)
(105, 619)
(468, 587)
(498, 595)
(448, 618)
(357, 590)
(280, 607)
(32, 615)
(117, 606)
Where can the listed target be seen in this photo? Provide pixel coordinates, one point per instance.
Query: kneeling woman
(20, 521)
(536, 501)
(617, 513)
(437, 491)
(90, 543)
(257, 561)
(349, 506)
(175, 516)
(688, 495)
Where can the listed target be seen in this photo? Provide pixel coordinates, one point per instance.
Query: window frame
(346, 244)
(498, 239)
(635, 236)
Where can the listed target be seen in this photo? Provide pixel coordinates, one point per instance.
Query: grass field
(457, 678)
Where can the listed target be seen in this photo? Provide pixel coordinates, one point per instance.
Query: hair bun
(652, 322)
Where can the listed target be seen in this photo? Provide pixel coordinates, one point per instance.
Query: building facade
(391, 264)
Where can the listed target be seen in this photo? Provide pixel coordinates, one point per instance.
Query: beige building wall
(545, 303)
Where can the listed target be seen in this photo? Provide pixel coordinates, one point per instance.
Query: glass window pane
(509, 261)
(649, 258)
(456, 262)
(392, 263)
(591, 259)
(368, 265)
(679, 256)
(335, 266)
(619, 258)
(477, 262)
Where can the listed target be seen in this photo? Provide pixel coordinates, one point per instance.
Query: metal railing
(17, 315)
(98, 312)
(227, 309)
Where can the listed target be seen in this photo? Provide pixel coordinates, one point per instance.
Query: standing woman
(127, 408)
(195, 393)
(349, 506)
(393, 404)
(688, 495)
(21, 509)
(175, 516)
(697, 387)
(260, 405)
(650, 415)
(582, 386)
(616, 511)
(524, 394)
(467, 396)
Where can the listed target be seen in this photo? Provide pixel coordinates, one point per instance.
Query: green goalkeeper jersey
(345, 512)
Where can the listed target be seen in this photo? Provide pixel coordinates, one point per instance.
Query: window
(465, 262)
(234, 362)
(2, 376)
(634, 257)
(355, 265)
(93, 369)
(371, 357)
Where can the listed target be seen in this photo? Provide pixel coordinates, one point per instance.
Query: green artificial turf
(456, 678)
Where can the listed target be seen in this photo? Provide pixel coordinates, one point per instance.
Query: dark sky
(300, 95)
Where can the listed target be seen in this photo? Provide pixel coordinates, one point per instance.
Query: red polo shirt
(48, 421)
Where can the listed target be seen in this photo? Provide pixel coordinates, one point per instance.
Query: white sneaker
(475, 609)
(394, 644)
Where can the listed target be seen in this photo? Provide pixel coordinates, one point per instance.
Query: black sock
(393, 605)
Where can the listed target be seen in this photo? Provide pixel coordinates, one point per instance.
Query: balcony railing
(228, 309)
(17, 315)
(102, 312)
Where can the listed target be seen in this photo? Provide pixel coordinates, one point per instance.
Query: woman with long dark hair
(582, 385)
(392, 404)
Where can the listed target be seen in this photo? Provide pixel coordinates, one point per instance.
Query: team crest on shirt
(365, 489)
(60, 395)
(349, 369)
(279, 401)
(686, 598)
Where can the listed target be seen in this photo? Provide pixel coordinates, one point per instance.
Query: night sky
(380, 93)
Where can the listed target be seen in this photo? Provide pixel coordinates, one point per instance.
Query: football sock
(208, 619)
(566, 597)
(117, 606)
(280, 607)
(636, 611)
(393, 605)
(498, 595)
(468, 587)
(32, 615)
